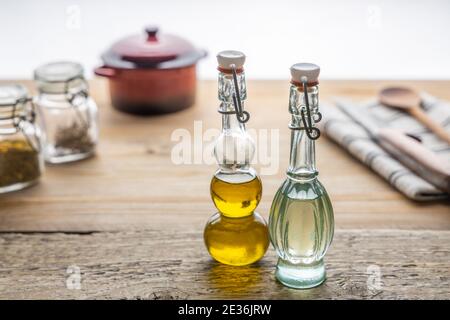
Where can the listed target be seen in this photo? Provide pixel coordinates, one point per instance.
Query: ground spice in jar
(19, 162)
(75, 137)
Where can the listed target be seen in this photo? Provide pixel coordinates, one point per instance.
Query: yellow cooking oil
(238, 196)
(236, 235)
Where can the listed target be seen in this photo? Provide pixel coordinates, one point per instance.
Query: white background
(393, 39)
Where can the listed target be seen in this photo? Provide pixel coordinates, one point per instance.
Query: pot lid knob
(151, 31)
(229, 57)
(309, 70)
(151, 49)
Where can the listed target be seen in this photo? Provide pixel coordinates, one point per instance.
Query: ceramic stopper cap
(228, 57)
(309, 70)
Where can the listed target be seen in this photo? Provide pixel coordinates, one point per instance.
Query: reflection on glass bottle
(301, 219)
(236, 235)
(235, 282)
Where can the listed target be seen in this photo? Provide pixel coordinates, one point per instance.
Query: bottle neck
(302, 163)
(225, 94)
(226, 87)
(234, 148)
(231, 124)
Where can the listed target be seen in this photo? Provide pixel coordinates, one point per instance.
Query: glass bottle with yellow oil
(301, 219)
(236, 235)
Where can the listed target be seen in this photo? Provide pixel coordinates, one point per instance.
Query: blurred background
(362, 39)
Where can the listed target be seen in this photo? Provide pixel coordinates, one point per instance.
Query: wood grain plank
(156, 264)
(132, 183)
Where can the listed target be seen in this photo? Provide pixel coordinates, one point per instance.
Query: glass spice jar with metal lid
(21, 160)
(68, 113)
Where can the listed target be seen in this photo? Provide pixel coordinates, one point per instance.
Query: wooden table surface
(131, 221)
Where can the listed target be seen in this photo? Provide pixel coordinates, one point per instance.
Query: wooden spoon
(416, 156)
(409, 101)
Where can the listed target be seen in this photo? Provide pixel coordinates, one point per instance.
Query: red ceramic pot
(151, 73)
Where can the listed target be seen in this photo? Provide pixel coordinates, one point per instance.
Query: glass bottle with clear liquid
(301, 219)
(236, 235)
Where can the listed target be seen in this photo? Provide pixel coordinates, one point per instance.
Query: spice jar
(68, 114)
(21, 160)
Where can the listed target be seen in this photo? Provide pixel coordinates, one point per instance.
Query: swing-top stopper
(229, 57)
(310, 71)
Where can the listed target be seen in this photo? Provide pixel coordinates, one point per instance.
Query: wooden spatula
(409, 101)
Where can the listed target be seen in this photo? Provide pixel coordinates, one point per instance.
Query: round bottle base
(236, 241)
(18, 186)
(300, 276)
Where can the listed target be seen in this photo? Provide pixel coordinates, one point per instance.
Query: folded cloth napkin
(351, 136)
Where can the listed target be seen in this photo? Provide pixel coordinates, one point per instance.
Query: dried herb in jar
(75, 137)
(19, 162)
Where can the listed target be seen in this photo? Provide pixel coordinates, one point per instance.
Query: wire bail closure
(28, 115)
(241, 115)
(71, 97)
(16, 117)
(80, 93)
(307, 118)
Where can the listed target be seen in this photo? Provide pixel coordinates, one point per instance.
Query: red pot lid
(152, 49)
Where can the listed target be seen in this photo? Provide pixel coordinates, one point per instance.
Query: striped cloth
(352, 137)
